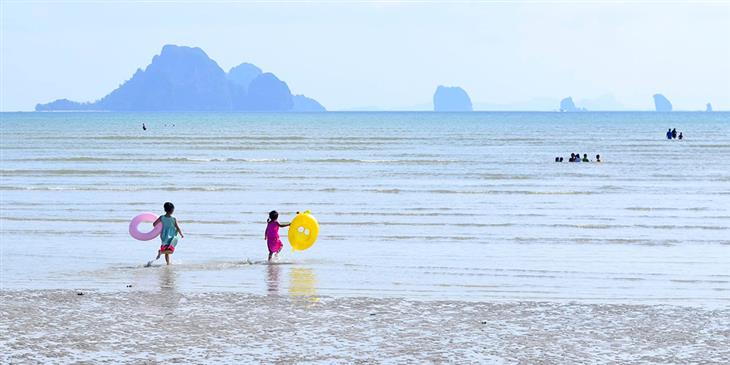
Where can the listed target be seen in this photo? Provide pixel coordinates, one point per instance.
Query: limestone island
(451, 99)
(661, 103)
(186, 79)
(567, 105)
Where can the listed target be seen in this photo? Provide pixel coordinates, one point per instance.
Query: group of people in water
(575, 157)
(672, 134)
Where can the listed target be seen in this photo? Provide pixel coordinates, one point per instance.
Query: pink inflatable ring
(144, 236)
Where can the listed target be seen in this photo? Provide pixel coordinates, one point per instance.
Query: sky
(384, 55)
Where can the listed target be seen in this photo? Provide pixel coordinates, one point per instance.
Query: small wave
(104, 220)
(382, 161)
(501, 177)
(74, 172)
(649, 209)
(449, 191)
(181, 139)
(387, 191)
(509, 192)
(190, 159)
(121, 189)
(415, 224)
(408, 214)
(711, 146)
(616, 241)
(384, 191)
(588, 226)
(199, 188)
(421, 238)
(695, 281)
(69, 159)
(132, 159)
(670, 226)
(304, 177)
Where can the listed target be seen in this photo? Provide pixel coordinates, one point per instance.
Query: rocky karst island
(186, 79)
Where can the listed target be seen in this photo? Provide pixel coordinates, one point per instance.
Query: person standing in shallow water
(169, 232)
(272, 234)
(598, 158)
(680, 135)
(669, 133)
(674, 133)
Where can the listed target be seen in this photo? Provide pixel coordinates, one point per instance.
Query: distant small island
(186, 79)
(567, 105)
(451, 99)
(661, 103)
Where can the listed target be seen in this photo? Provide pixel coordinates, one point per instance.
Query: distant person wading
(575, 157)
(672, 134)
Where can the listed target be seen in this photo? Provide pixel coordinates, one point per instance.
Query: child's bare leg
(159, 252)
(167, 258)
(270, 254)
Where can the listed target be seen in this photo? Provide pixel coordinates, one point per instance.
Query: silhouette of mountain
(661, 103)
(567, 105)
(243, 74)
(186, 79)
(267, 93)
(305, 104)
(63, 104)
(451, 99)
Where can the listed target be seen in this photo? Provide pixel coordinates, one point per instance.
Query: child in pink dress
(272, 234)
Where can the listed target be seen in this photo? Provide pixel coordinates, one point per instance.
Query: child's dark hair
(273, 215)
(169, 207)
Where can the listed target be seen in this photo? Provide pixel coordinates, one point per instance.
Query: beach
(444, 237)
(171, 327)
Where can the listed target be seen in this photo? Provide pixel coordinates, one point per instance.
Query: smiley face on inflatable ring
(303, 231)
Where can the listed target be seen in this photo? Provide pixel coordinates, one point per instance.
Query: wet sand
(60, 326)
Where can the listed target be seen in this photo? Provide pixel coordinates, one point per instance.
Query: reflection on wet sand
(167, 278)
(272, 279)
(170, 295)
(303, 284)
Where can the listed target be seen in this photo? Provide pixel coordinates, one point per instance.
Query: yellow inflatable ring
(303, 231)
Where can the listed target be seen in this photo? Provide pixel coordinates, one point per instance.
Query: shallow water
(414, 205)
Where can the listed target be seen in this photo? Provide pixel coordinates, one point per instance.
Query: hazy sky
(386, 54)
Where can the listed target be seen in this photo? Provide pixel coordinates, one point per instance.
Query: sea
(417, 205)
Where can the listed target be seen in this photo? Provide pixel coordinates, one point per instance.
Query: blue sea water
(418, 205)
